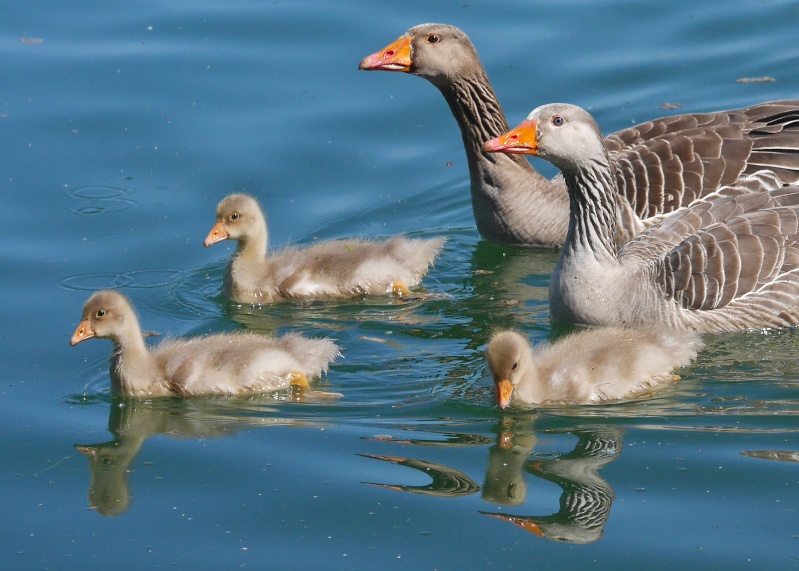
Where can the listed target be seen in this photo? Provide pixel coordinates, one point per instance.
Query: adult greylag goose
(591, 366)
(725, 264)
(337, 268)
(661, 164)
(232, 364)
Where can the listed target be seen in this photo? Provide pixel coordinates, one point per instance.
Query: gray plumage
(661, 165)
(725, 264)
(231, 364)
(337, 268)
(591, 366)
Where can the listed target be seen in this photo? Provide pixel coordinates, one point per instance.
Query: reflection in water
(447, 482)
(132, 421)
(779, 455)
(504, 482)
(513, 284)
(448, 439)
(586, 499)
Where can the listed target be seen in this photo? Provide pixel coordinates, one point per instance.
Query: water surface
(123, 126)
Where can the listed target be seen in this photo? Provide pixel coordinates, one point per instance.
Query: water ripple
(91, 200)
(144, 278)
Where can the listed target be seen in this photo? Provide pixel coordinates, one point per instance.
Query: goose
(661, 164)
(228, 364)
(586, 367)
(726, 264)
(337, 268)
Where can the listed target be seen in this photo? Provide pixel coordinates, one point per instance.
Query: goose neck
(594, 215)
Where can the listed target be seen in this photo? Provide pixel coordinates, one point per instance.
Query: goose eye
(100, 313)
(514, 367)
(558, 121)
(433, 39)
(234, 216)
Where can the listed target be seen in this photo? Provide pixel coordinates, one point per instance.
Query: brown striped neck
(512, 202)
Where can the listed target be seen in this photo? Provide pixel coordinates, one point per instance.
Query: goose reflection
(133, 421)
(586, 498)
(446, 482)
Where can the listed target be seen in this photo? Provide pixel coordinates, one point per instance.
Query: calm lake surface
(121, 127)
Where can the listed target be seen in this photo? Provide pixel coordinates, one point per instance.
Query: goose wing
(670, 162)
(724, 249)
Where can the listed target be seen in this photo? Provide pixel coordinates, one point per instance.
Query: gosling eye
(234, 216)
(100, 313)
(514, 367)
(558, 121)
(433, 39)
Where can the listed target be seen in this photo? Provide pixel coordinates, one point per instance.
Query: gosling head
(105, 315)
(510, 360)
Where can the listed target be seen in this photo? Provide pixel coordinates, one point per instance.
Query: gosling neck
(132, 368)
(251, 249)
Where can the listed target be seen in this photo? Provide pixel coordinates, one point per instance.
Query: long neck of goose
(506, 190)
(594, 217)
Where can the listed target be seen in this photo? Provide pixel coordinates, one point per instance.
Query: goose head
(563, 134)
(106, 315)
(437, 52)
(510, 360)
(238, 217)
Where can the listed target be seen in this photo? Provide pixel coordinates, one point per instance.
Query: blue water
(121, 127)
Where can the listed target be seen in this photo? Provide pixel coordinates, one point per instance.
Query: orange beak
(504, 390)
(394, 57)
(520, 140)
(82, 333)
(525, 524)
(217, 234)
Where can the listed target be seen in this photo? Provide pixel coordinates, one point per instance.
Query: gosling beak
(504, 390)
(82, 333)
(521, 140)
(394, 57)
(217, 234)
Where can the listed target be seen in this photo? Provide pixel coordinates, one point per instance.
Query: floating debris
(764, 79)
(668, 105)
(31, 40)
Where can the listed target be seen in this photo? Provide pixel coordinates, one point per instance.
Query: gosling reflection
(504, 483)
(133, 421)
(586, 499)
